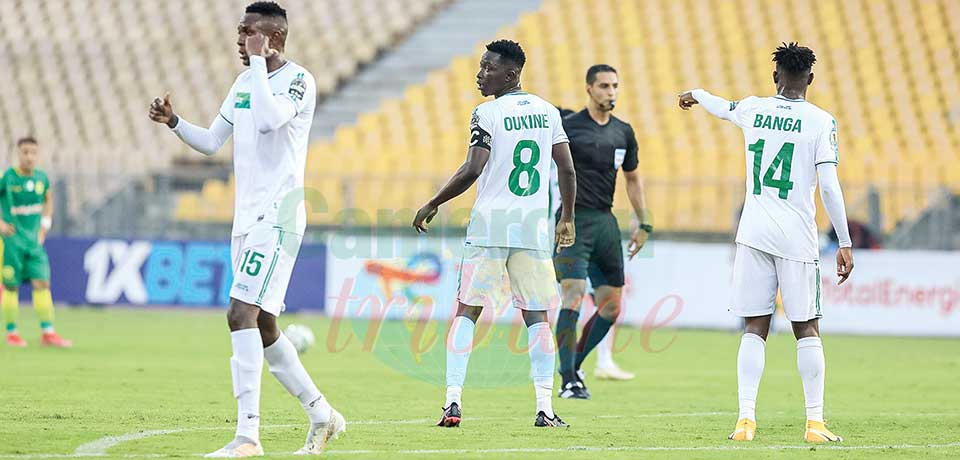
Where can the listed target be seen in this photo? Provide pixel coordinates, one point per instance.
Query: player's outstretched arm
(270, 112)
(204, 140)
(832, 197)
(717, 106)
(567, 179)
(461, 180)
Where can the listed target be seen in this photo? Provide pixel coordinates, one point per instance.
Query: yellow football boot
(746, 429)
(818, 432)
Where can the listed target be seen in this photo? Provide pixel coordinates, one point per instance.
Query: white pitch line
(637, 449)
(99, 447)
(102, 445)
(664, 414)
(536, 450)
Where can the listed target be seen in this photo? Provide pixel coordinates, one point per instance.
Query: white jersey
(785, 140)
(269, 167)
(513, 191)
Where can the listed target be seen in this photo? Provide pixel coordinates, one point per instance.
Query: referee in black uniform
(601, 145)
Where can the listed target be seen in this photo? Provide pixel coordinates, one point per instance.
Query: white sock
(459, 346)
(453, 395)
(247, 365)
(543, 357)
(605, 351)
(811, 364)
(285, 365)
(750, 362)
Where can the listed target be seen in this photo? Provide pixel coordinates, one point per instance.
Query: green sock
(11, 307)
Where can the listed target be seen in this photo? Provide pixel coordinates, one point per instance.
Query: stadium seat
(85, 72)
(883, 68)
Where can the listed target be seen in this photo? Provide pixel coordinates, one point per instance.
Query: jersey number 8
(529, 167)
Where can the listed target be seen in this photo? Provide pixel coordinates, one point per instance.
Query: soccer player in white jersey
(789, 143)
(508, 234)
(268, 111)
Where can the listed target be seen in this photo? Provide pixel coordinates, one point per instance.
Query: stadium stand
(87, 69)
(884, 68)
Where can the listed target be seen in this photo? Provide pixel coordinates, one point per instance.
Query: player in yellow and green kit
(27, 209)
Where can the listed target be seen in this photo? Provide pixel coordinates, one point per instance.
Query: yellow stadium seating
(886, 69)
(81, 73)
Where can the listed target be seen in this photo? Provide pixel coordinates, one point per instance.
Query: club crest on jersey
(29, 186)
(41, 187)
(242, 101)
(298, 87)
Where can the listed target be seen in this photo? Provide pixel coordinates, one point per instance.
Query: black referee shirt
(598, 152)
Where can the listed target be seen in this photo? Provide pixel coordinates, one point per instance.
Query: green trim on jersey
(788, 99)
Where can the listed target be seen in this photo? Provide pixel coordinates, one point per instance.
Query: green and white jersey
(784, 141)
(21, 199)
(513, 191)
(269, 167)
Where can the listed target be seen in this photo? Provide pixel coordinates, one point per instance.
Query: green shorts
(24, 261)
(597, 251)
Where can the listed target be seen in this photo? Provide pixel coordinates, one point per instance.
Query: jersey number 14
(783, 159)
(520, 167)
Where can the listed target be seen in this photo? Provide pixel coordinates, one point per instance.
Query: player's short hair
(597, 68)
(794, 59)
(27, 140)
(508, 50)
(269, 9)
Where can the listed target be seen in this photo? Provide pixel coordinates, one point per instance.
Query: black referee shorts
(597, 252)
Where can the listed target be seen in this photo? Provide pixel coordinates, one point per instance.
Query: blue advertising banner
(159, 272)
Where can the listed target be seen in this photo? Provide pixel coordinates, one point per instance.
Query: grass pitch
(145, 383)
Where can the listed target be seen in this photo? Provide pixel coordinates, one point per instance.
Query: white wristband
(46, 222)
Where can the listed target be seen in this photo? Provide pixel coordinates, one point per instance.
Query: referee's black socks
(567, 343)
(593, 333)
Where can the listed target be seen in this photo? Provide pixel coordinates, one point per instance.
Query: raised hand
(259, 45)
(161, 111)
(687, 100)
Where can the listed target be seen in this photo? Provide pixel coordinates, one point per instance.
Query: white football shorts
(756, 277)
(262, 265)
(484, 271)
